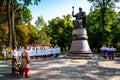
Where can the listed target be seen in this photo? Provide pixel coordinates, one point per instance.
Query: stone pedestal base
(80, 46)
(80, 49)
(80, 56)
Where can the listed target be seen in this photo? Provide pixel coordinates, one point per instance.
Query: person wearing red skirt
(25, 63)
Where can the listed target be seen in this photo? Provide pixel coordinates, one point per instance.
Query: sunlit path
(66, 69)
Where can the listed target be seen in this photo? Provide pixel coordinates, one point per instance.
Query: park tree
(23, 15)
(3, 33)
(40, 22)
(41, 26)
(60, 31)
(33, 34)
(3, 26)
(22, 34)
(103, 5)
(43, 37)
(95, 30)
(116, 32)
(26, 34)
(12, 6)
(22, 19)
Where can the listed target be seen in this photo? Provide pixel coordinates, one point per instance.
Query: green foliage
(60, 31)
(3, 34)
(103, 9)
(22, 34)
(44, 39)
(40, 22)
(3, 27)
(30, 2)
(116, 33)
(94, 28)
(41, 26)
(23, 15)
(33, 34)
(103, 3)
(17, 13)
(3, 15)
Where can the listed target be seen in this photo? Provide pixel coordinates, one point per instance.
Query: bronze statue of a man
(80, 21)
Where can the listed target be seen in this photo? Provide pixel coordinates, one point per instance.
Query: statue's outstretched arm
(73, 12)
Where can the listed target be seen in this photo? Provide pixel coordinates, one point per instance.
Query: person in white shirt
(4, 53)
(104, 51)
(14, 59)
(112, 52)
(109, 52)
(14, 53)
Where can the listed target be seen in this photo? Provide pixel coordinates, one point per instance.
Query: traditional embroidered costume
(25, 63)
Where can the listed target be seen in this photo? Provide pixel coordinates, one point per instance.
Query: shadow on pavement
(9, 76)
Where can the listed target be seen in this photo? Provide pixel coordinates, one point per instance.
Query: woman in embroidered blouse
(25, 62)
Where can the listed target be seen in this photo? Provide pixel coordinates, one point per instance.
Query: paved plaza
(66, 69)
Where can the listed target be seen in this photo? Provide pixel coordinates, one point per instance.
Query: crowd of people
(20, 64)
(24, 59)
(23, 67)
(108, 52)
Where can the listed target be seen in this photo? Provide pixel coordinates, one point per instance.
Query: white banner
(42, 52)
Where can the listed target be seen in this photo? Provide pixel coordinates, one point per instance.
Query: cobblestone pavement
(66, 69)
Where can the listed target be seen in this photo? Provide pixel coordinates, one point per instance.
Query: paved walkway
(66, 69)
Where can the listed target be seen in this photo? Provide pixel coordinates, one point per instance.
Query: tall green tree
(24, 15)
(41, 26)
(3, 34)
(60, 31)
(12, 6)
(116, 32)
(33, 34)
(22, 34)
(40, 22)
(43, 37)
(3, 26)
(103, 5)
(22, 18)
(95, 31)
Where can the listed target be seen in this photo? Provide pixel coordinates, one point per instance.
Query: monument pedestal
(80, 47)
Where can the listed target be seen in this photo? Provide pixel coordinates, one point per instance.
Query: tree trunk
(11, 14)
(14, 45)
(9, 25)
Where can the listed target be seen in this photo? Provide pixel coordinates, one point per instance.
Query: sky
(51, 9)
